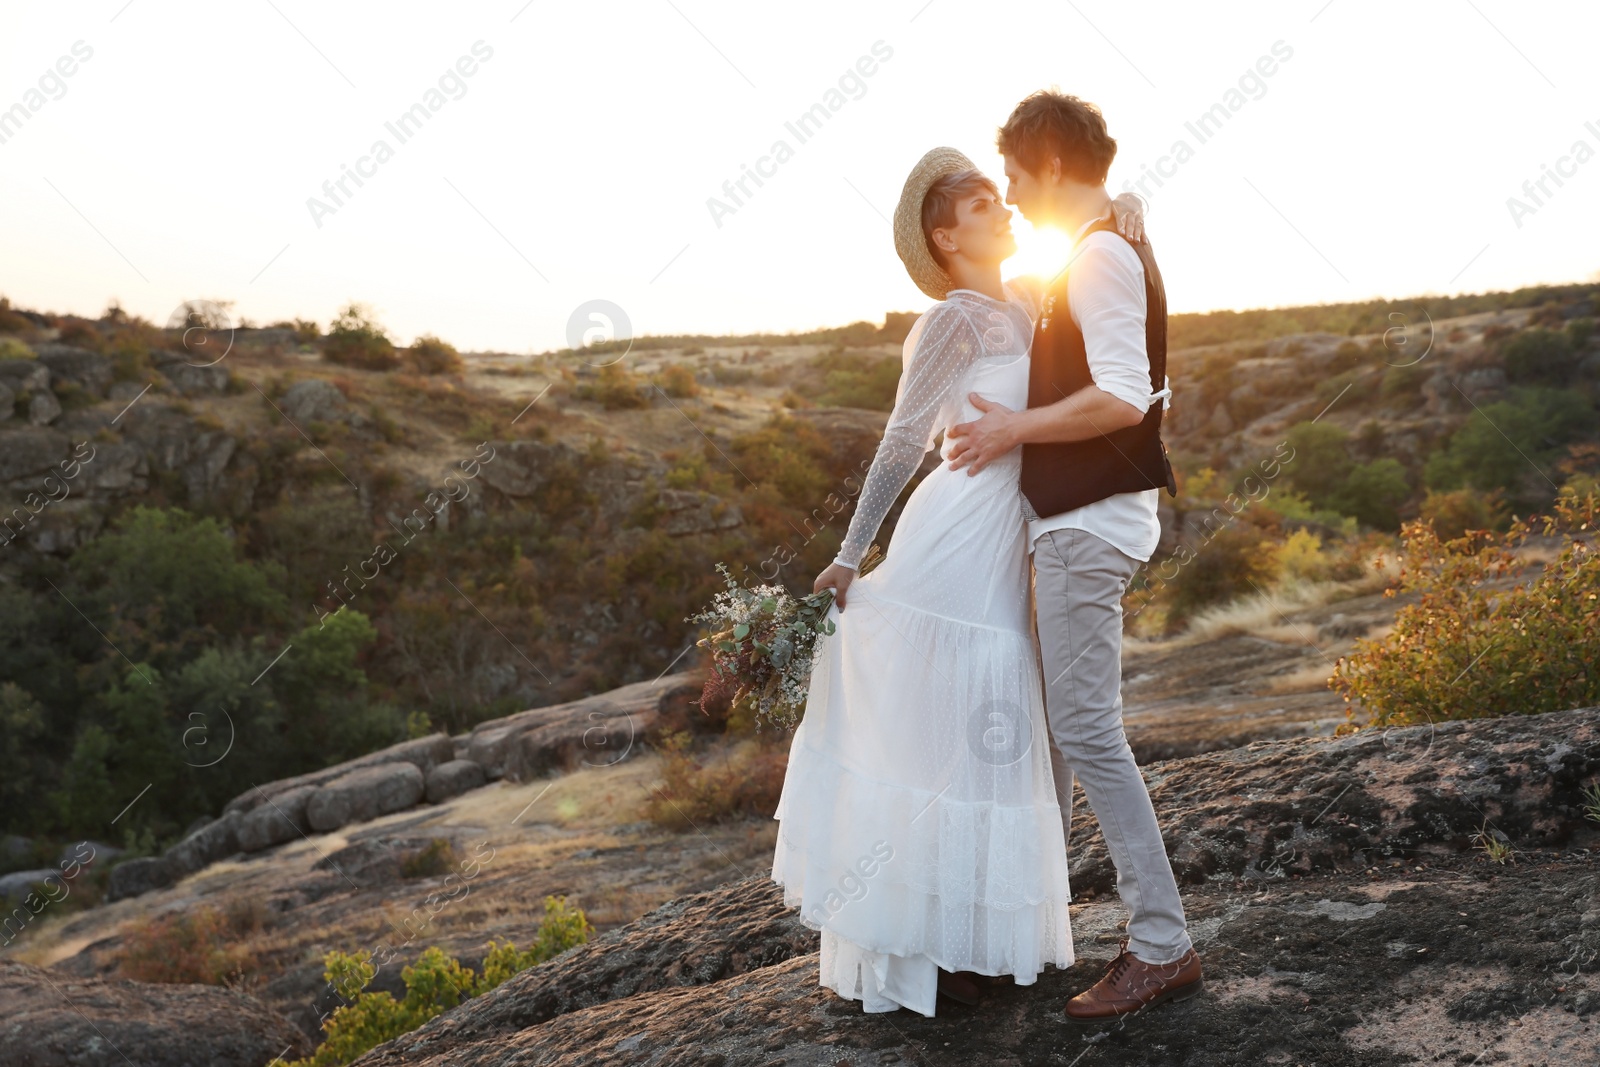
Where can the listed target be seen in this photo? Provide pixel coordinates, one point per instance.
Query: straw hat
(908, 237)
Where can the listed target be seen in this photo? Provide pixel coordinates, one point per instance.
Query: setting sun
(1041, 250)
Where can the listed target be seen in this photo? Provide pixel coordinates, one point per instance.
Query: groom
(1093, 466)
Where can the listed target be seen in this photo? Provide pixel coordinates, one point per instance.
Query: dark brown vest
(1061, 476)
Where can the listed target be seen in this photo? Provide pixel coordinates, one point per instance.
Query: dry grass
(591, 798)
(1265, 614)
(1312, 678)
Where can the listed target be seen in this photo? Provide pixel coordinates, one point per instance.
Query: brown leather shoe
(959, 986)
(1130, 984)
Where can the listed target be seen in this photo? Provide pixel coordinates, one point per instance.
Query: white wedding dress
(918, 824)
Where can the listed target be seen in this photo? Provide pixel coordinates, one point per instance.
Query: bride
(919, 828)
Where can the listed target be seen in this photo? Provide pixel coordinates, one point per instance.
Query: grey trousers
(1078, 582)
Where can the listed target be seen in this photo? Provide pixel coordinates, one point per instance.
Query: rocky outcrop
(1419, 792)
(1436, 969)
(31, 452)
(217, 839)
(685, 512)
(1404, 949)
(452, 778)
(20, 883)
(424, 753)
(364, 794)
(87, 370)
(132, 878)
(53, 1020)
(528, 470)
(313, 400)
(24, 375)
(175, 443)
(191, 377)
(595, 731)
(281, 818)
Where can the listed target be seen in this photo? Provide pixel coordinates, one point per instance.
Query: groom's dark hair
(1052, 124)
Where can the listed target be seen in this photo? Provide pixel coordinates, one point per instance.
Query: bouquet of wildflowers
(763, 642)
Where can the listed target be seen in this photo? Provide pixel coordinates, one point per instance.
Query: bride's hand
(1128, 211)
(836, 578)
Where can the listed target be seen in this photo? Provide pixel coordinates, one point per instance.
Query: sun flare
(1041, 251)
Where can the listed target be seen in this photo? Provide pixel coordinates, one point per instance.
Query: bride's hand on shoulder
(836, 578)
(1128, 211)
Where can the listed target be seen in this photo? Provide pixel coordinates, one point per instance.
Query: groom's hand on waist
(980, 443)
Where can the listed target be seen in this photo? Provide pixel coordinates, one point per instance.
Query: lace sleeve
(938, 351)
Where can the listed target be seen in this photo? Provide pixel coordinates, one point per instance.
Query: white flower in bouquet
(763, 642)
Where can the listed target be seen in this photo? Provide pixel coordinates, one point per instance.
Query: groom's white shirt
(1105, 297)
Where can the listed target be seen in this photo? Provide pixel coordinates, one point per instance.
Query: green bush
(429, 355)
(1321, 461)
(356, 340)
(1540, 357)
(1454, 512)
(1236, 561)
(1578, 333)
(840, 378)
(11, 348)
(677, 380)
(1510, 445)
(1374, 492)
(788, 455)
(1403, 383)
(435, 858)
(615, 388)
(434, 985)
(1469, 648)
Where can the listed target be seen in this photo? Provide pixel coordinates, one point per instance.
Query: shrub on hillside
(1456, 511)
(429, 355)
(11, 348)
(1579, 331)
(1320, 461)
(434, 985)
(694, 791)
(677, 380)
(1301, 559)
(81, 334)
(840, 378)
(356, 340)
(1374, 492)
(1540, 357)
(1469, 648)
(1236, 561)
(789, 456)
(438, 856)
(10, 321)
(615, 388)
(181, 947)
(1510, 444)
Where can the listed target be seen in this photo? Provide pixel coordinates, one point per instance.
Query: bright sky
(575, 161)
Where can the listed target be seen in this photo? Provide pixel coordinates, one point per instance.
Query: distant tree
(1540, 357)
(1374, 492)
(1511, 446)
(356, 340)
(1321, 461)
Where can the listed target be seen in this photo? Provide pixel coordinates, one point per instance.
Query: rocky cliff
(1341, 891)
